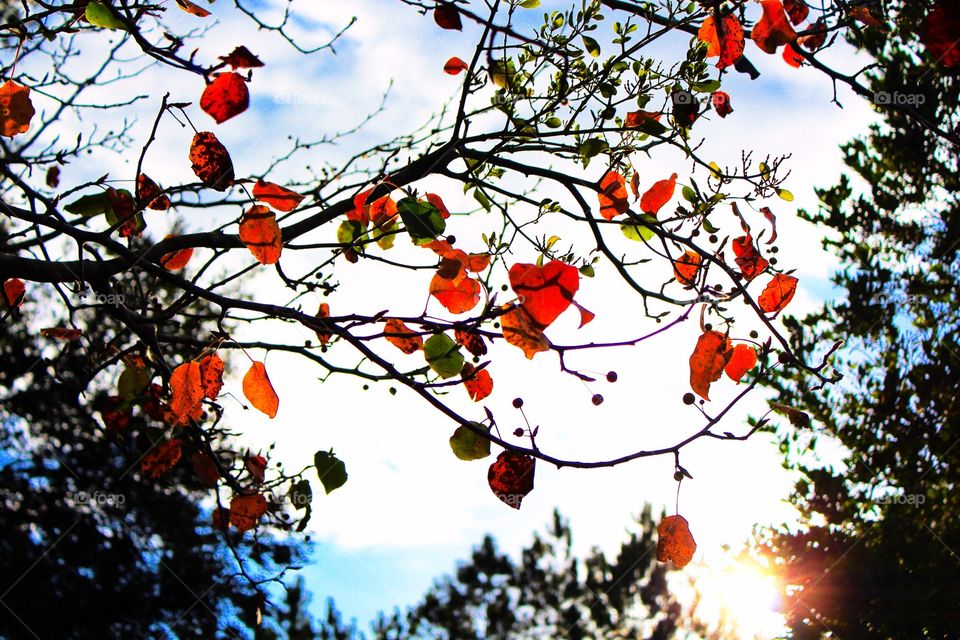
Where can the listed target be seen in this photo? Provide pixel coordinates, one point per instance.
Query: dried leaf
(161, 458)
(520, 330)
(511, 477)
(261, 233)
(472, 342)
(402, 337)
(675, 542)
(241, 58)
(707, 362)
(278, 197)
(747, 257)
(778, 293)
(150, 195)
(211, 376)
(192, 8)
(728, 44)
(259, 391)
(16, 109)
(210, 161)
(686, 267)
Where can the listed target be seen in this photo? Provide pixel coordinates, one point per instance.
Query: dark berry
(597, 399)
(754, 335)
(517, 403)
(612, 376)
(688, 398)
(678, 475)
(518, 432)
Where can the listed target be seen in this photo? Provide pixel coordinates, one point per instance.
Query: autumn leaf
(447, 16)
(259, 391)
(727, 44)
(227, 96)
(205, 469)
(210, 161)
(13, 292)
(686, 108)
(186, 388)
(639, 118)
(161, 458)
(658, 195)
(176, 260)
(707, 362)
(816, 38)
(747, 257)
(16, 109)
(246, 511)
(150, 195)
(192, 8)
(241, 58)
(256, 466)
(773, 30)
(455, 66)
(797, 417)
(778, 293)
(53, 177)
(941, 32)
(511, 477)
(323, 312)
(545, 292)
(61, 333)
(472, 342)
(797, 10)
(261, 233)
(721, 103)
(468, 445)
(211, 376)
(675, 542)
(280, 198)
(331, 470)
(479, 384)
(743, 357)
(402, 337)
(686, 267)
(521, 331)
(457, 295)
(613, 195)
(792, 57)
(863, 15)
(772, 219)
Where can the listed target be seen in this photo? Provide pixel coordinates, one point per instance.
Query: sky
(410, 510)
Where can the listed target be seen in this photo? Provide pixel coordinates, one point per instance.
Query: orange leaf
(149, 194)
(797, 10)
(613, 195)
(13, 292)
(176, 260)
(323, 312)
(791, 57)
(61, 333)
(192, 9)
(186, 387)
(458, 295)
(241, 58)
(749, 260)
(707, 362)
(742, 359)
(773, 30)
(472, 342)
(728, 44)
(261, 233)
(436, 201)
(16, 109)
(479, 384)
(778, 293)
(161, 458)
(259, 391)
(211, 376)
(658, 195)
(686, 267)
(520, 331)
(447, 16)
(246, 511)
(818, 36)
(225, 97)
(511, 477)
(545, 292)
(276, 196)
(400, 336)
(210, 161)
(455, 66)
(721, 103)
(637, 118)
(675, 543)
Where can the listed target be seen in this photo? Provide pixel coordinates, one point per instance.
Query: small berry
(518, 432)
(688, 398)
(678, 475)
(612, 376)
(597, 399)
(713, 238)
(451, 239)
(517, 403)
(754, 335)
(504, 288)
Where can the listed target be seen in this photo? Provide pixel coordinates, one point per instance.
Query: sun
(741, 598)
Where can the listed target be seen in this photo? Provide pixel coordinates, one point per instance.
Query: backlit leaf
(101, 15)
(747, 257)
(686, 267)
(455, 66)
(330, 469)
(161, 458)
(778, 293)
(447, 16)
(402, 337)
(773, 30)
(280, 198)
(259, 391)
(658, 195)
(323, 312)
(13, 292)
(721, 103)
(261, 233)
(457, 295)
(708, 361)
(150, 195)
(246, 511)
(742, 358)
(443, 355)
(16, 109)
(544, 292)
(675, 543)
(613, 195)
(192, 9)
(210, 161)
(472, 342)
(176, 260)
(479, 384)
(941, 32)
(186, 388)
(211, 376)
(511, 477)
(797, 10)
(241, 58)
(521, 331)
(728, 44)
(225, 97)
(468, 445)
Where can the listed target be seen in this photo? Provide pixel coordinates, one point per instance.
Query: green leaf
(330, 469)
(482, 198)
(468, 445)
(530, 4)
(593, 48)
(641, 232)
(587, 270)
(785, 195)
(443, 355)
(689, 195)
(100, 15)
(706, 87)
(651, 126)
(91, 205)
(301, 495)
(592, 147)
(715, 170)
(423, 221)
(554, 122)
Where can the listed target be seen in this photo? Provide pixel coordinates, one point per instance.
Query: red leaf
(323, 312)
(261, 233)
(772, 219)
(816, 38)
(455, 66)
(941, 32)
(205, 469)
(721, 103)
(863, 15)
(728, 44)
(791, 57)
(161, 458)
(613, 195)
(479, 384)
(472, 342)
(53, 177)
(458, 295)
(125, 210)
(511, 477)
(259, 391)
(246, 511)
(13, 292)
(241, 58)
(545, 292)
(211, 162)
(675, 543)
(773, 30)
(256, 466)
(797, 10)
(278, 197)
(225, 97)
(636, 118)
(192, 9)
(176, 260)
(186, 387)
(750, 261)
(658, 195)
(436, 201)
(150, 195)
(447, 16)
(61, 333)
(16, 109)
(742, 359)
(685, 269)
(400, 336)
(707, 362)
(211, 376)
(778, 293)
(521, 331)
